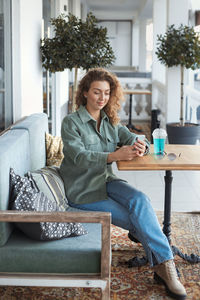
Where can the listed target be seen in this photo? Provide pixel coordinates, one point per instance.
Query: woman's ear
(85, 94)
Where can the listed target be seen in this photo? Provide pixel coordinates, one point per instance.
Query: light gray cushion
(15, 152)
(36, 125)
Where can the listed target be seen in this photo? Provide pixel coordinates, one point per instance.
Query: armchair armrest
(84, 217)
(32, 216)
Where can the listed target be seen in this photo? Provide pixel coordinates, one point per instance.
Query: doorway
(120, 37)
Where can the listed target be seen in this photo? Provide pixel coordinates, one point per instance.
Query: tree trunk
(182, 97)
(75, 89)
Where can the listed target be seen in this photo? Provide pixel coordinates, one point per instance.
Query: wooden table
(131, 93)
(188, 158)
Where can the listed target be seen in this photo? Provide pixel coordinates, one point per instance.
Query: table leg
(193, 258)
(130, 113)
(167, 210)
(130, 125)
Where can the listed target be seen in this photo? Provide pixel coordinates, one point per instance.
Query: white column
(177, 13)
(142, 45)
(84, 11)
(158, 70)
(61, 83)
(159, 27)
(135, 44)
(29, 64)
(77, 8)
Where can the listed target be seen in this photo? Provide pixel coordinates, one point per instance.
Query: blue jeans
(132, 210)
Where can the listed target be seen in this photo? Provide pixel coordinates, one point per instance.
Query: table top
(137, 92)
(189, 159)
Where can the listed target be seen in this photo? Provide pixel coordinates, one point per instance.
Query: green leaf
(76, 43)
(179, 46)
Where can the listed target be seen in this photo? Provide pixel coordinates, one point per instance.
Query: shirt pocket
(92, 142)
(112, 143)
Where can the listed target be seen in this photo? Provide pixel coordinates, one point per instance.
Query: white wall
(173, 74)
(166, 81)
(159, 70)
(159, 27)
(30, 13)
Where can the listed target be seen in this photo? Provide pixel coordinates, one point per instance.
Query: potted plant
(76, 44)
(180, 47)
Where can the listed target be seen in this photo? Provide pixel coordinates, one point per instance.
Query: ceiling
(120, 9)
(126, 9)
(114, 4)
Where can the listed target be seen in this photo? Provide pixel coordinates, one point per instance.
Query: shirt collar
(86, 117)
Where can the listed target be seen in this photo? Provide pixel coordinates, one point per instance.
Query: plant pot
(187, 134)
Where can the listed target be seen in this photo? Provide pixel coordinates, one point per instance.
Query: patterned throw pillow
(54, 150)
(49, 181)
(25, 196)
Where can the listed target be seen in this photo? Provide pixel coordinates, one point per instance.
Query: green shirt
(84, 168)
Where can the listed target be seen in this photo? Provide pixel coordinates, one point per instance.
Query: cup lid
(159, 133)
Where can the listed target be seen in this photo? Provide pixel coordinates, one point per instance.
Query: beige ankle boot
(166, 273)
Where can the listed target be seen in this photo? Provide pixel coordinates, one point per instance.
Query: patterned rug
(131, 283)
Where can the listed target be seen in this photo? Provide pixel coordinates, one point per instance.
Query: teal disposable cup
(159, 138)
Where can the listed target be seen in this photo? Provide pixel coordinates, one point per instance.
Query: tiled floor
(185, 187)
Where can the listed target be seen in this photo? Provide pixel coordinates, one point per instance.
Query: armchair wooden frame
(101, 280)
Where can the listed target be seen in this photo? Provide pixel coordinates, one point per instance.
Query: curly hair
(116, 92)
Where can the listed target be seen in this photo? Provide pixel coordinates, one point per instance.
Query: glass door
(5, 65)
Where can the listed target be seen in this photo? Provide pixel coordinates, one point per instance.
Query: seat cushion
(80, 254)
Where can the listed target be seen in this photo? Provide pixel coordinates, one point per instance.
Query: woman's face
(97, 96)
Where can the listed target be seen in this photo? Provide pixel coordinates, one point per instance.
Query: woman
(91, 137)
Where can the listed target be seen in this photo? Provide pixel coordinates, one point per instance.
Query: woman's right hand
(123, 153)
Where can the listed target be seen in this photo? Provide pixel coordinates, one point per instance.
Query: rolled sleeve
(129, 138)
(126, 137)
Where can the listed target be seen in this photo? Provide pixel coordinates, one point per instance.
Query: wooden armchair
(101, 280)
(80, 261)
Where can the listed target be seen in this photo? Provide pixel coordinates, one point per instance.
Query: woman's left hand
(139, 147)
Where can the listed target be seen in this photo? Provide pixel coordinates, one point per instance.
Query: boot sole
(159, 280)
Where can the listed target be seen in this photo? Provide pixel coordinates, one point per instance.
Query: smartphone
(140, 137)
